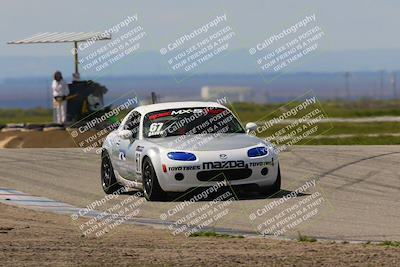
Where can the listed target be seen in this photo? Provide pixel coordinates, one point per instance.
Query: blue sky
(349, 25)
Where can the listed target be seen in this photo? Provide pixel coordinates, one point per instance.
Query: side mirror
(250, 127)
(125, 134)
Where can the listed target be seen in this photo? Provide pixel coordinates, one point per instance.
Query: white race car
(174, 147)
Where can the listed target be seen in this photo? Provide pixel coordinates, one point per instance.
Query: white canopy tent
(65, 37)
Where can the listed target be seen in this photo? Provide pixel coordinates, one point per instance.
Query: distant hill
(35, 91)
(25, 81)
(236, 61)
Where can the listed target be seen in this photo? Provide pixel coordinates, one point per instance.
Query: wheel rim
(148, 179)
(106, 172)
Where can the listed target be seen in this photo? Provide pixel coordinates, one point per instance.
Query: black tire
(151, 188)
(276, 187)
(108, 181)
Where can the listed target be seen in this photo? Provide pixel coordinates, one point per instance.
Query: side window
(133, 124)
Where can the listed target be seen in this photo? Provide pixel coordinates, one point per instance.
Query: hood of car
(207, 142)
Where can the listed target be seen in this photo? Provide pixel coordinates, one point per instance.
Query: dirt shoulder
(30, 238)
(50, 139)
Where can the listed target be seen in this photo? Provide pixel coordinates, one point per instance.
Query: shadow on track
(237, 193)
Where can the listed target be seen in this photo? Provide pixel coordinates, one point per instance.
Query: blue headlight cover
(183, 156)
(257, 151)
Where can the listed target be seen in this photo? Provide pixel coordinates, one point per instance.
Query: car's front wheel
(108, 181)
(151, 188)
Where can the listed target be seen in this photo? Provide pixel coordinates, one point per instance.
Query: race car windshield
(188, 121)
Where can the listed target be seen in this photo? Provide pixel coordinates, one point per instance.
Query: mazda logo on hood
(223, 156)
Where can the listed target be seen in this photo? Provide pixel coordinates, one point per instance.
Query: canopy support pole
(76, 60)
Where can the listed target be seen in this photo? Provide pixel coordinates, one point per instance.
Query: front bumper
(208, 169)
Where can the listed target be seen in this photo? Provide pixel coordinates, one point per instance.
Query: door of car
(127, 147)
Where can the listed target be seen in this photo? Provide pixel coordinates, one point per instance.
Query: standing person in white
(60, 92)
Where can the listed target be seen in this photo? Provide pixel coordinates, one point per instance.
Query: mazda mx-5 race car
(173, 147)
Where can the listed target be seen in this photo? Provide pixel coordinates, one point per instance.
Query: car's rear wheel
(276, 187)
(151, 188)
(108, 181)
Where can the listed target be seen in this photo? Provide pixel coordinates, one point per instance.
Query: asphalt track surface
(360, 187)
